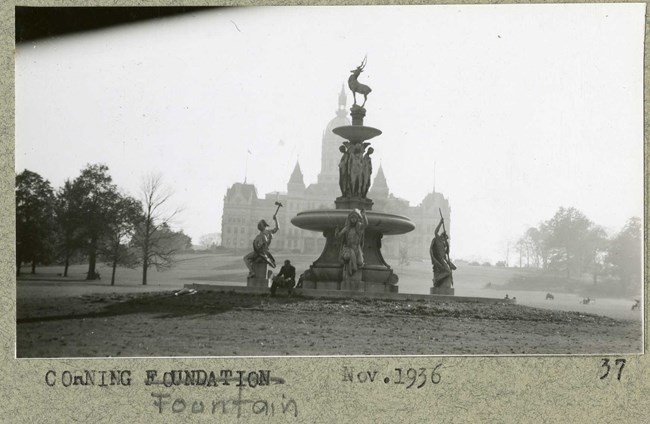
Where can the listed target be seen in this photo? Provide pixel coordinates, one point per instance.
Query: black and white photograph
(329, 181)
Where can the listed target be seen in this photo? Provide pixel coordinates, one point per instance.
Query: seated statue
(261, 245)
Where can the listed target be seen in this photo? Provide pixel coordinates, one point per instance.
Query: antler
(363, 63)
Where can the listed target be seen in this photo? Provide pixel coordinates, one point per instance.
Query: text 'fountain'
(352, 259)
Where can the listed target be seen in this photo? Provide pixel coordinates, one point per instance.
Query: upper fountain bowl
(356, 133)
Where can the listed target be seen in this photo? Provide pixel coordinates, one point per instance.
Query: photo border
(504, 388)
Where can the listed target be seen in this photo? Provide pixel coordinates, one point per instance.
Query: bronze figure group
(355, 169)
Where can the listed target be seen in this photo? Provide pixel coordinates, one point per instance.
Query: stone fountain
(351, 259)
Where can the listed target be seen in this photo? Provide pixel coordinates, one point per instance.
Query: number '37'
(620, 363)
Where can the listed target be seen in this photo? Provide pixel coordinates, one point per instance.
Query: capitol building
(243, 208)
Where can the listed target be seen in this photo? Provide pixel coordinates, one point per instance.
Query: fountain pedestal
(353, 203)
(327, 272)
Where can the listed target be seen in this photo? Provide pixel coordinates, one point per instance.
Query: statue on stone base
(356, 86)
(352, 237)
(439, 251)
(261, 245)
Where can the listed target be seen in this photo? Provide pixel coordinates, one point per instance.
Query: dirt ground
(159, 323)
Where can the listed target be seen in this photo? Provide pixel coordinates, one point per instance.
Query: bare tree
(123, 220)
(153, 236)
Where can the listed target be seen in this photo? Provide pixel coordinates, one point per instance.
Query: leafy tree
(572, 240)
(153, 238)
(523, 248)
(93, 196)
(624, 253)
(34, 223)
(69, 224)
(533, 246)
(124, 216)
(596, 244)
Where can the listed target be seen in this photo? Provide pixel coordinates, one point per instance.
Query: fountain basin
(324, 219)
(356, 133)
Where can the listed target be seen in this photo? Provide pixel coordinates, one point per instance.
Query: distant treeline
(91, 217)
(570, 245)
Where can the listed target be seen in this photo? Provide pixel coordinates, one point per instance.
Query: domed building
(242, 208)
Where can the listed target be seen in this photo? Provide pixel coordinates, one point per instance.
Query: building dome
(330, 154)
(340, 120)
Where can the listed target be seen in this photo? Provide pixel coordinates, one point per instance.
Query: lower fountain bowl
(323, 219)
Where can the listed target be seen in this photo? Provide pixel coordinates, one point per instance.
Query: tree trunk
(33, 266)
(92, 260)
(18, 263)
(145, 251)
(145, 266)
(66, 265)
(114, 268)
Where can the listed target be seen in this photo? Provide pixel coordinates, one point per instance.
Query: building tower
(296, 184)
(330, 154)
(379, 189)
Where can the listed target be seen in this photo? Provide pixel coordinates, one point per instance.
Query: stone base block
(258, 282)
(447, 291)
(353, 285)
(327, 285)
(380, 288)
(311, 285)
(262, 275)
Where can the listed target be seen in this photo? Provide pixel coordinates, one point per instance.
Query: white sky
(523, 108)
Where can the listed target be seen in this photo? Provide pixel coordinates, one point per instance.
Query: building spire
(343, 100)
(379, 189)
(296, 181)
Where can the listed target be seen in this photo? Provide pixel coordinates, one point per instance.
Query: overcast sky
(523, 108)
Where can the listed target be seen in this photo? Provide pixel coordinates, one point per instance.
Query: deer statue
(356, 86)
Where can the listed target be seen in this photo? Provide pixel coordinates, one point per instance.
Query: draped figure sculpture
(344, 172)
(352, 238)
(355, 170)
(366, 172)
